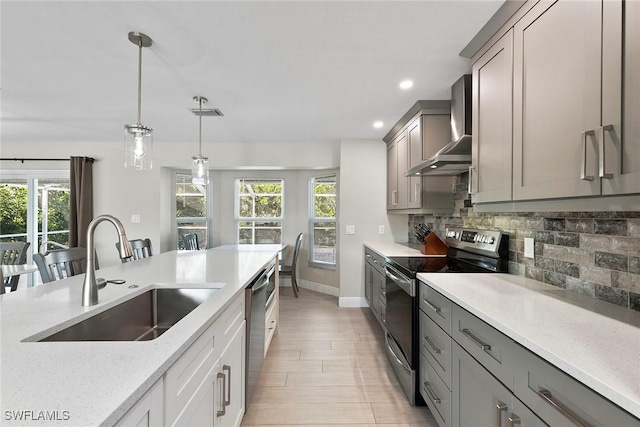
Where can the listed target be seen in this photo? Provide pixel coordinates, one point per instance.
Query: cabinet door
(392, 176)
(619, 142)
(201, 407)
(414, 132)
(478, 399)
(402, 147)
(557, 100)
(232, 367)
(368, 281)
(148, 411)
(492, 143)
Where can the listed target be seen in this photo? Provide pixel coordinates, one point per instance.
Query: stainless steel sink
(142, 318)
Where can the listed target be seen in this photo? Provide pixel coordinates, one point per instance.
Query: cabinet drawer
(436, 306)
(435, 345)
(435, 392)
(270, 323)
(487, 345)
(559, 399)
(375, 259)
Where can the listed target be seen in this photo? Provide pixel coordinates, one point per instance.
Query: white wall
(123, 192)
(363, 183)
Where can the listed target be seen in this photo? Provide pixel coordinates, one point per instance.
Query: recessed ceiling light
(406, 84)
(378, 124)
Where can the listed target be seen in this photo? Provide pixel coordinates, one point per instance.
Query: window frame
(314, 220)
(238, 219)
(207, 219)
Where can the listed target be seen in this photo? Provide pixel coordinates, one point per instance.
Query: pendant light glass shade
(138, 147)
(200, 166)
(138, 139)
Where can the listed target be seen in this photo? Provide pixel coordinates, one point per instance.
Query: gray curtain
(81, 195)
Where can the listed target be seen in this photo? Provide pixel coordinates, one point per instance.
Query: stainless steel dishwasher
(255, 303)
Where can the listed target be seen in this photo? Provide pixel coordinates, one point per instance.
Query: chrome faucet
(90, 286)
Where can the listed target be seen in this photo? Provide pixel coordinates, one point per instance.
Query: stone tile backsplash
(593, 253)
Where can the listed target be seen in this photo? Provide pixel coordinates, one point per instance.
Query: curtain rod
(17, 159)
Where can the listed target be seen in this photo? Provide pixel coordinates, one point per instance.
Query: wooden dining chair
(60, 264)
(290, 270)
(190, 241)
(141, 248)
(13, 253)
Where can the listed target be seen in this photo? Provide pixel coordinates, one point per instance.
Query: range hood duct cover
(455, 157)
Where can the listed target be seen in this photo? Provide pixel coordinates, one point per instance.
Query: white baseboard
(352, 302)
(313, 286)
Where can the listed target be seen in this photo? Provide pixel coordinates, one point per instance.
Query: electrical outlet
(381, 229)
(528, 247)
(350, 229)
(135, 219)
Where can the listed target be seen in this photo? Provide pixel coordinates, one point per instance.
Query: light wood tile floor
(327, 367)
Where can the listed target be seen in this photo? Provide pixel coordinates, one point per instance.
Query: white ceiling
(280, 71)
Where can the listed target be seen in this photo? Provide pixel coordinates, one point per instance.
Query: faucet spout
(90, 286)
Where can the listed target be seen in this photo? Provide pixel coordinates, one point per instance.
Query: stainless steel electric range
(469, 251)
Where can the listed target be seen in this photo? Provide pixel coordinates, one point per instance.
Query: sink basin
(141, 318)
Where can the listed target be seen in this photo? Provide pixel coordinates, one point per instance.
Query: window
(47, 218)
(322, 215)
(259, 210)
(34, 207)
(192, 210)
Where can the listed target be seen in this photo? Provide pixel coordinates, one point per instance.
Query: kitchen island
(96, 383)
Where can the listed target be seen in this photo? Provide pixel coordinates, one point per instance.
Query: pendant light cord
(139, 79)
(200, 129)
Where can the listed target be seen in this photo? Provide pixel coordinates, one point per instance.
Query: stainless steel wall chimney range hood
(455, 157)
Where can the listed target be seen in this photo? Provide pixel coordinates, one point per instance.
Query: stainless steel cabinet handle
(601, 152)
(583, 168)
(222, 377)
(436, 350)
(499, 408)
(482, 345)
(227, 401)
(431, 305)
(471, 189)
(548, 398)
(432, 396)
(513, 420)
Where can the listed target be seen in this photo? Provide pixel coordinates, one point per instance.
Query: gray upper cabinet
(492, 141)
(397, 183)
(557, 100)
(619, 137)
(421, 133)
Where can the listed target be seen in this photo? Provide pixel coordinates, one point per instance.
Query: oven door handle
(390, 348)
(401, 280)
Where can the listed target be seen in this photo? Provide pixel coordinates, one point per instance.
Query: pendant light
(138, 139)
(200, 167)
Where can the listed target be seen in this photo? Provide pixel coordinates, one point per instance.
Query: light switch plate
(381, 229)
(135, 219)
(350, 229)
(528, 247)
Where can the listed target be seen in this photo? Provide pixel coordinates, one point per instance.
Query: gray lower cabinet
(374, 283)
(480, 400)
(559, 399)
(472, 375)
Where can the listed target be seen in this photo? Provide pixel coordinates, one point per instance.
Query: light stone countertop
(596, 342)
(97, 382)
(388, 249)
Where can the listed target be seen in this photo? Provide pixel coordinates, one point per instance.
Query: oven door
(399, 320)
